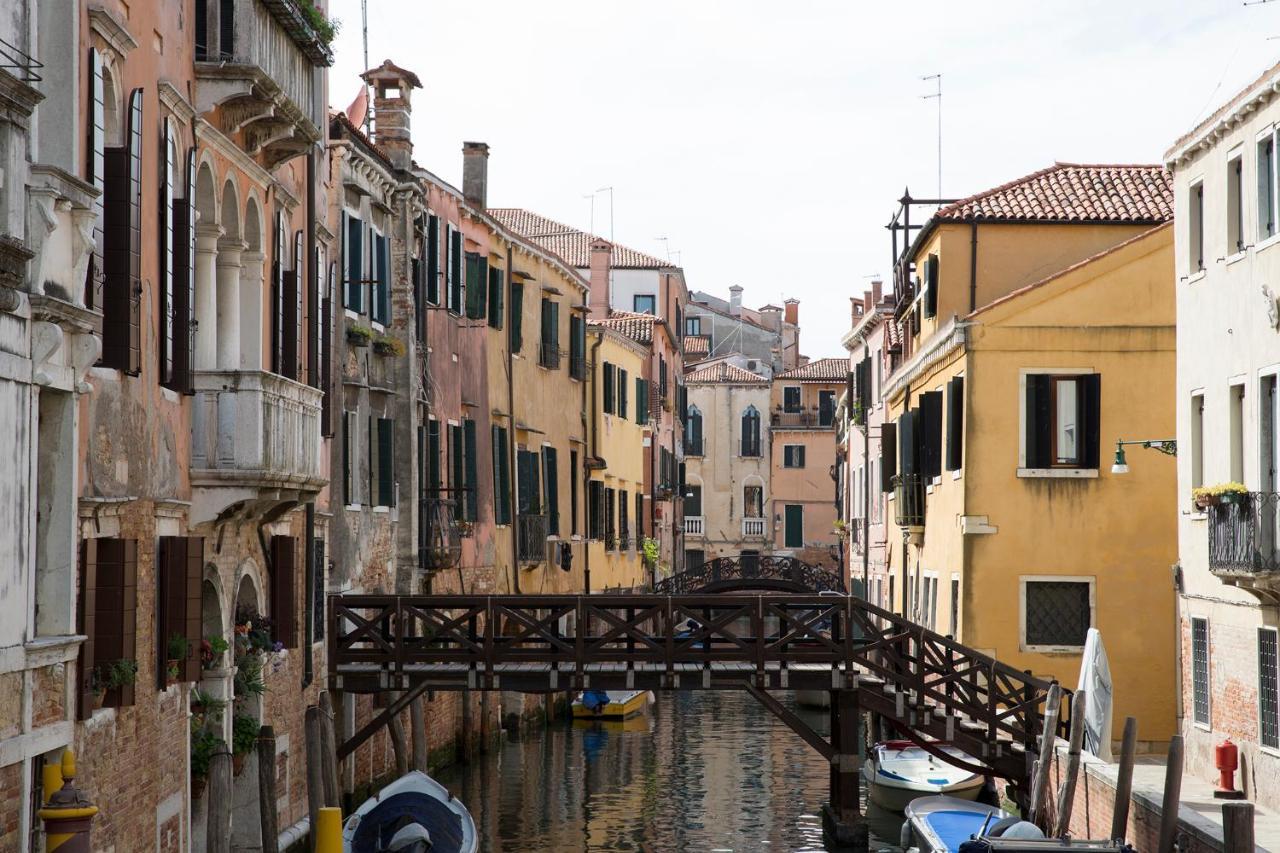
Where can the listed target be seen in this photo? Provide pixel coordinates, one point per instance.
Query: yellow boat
(620, 705)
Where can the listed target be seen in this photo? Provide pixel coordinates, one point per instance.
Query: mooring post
(842, 817)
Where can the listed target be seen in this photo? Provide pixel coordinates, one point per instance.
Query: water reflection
(705, 771)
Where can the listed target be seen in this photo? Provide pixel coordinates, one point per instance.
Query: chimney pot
(475, 173)
(877, 292)
(792, 311)
(392, 87)
(735, 300)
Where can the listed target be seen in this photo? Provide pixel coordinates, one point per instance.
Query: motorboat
(610, 704)
(413, 814)
(940, 824)
(898, 771)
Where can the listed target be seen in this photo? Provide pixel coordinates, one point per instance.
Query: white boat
(942, 824)
(898, 771)
(413, 814)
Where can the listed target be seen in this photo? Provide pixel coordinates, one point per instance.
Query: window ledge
(1057, 473)
(1051, 650)
(382, 509)
(1238, 256)
(1196, 516)
(353, 507)
(351, 315)
(1263, 245)
(1204, 727)
(1196, 276)
(955, 475)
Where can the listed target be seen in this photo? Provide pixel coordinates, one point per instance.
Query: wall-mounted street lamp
(1167, 446)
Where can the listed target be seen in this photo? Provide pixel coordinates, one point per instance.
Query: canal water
(705, 771)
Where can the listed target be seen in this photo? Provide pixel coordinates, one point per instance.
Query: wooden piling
(1067, 793)
(217, 831)
(1237, 827)
(417, 722)
(267, 789)
(1172, 796)
(329, 753)
(1048, 736)
(1124, 781)
(315, 767)
(399, 749)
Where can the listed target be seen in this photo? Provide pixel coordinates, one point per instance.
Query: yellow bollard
(328, 831)
(68, 816)
(51, 780)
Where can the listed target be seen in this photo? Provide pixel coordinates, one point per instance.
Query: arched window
(750, 445)
(693, 432)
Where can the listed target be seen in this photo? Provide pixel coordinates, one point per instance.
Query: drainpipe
(588, 464)
(973, 266)
(906, 405)
(866, 491)
(308, 666)
(308, 573)
(511, 446)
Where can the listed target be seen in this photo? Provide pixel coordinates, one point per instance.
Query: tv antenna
(937, 78)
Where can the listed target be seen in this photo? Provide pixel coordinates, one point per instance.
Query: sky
(768, 143)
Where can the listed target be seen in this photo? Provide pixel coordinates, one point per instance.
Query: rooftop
(697, 345)
(571, 244)
(722, 371)
(822, 370)
(638, 327)
(1073, 192)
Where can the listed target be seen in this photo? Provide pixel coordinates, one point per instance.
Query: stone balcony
(694, 525)
(265, 84)
(753, 528)
(255, 443)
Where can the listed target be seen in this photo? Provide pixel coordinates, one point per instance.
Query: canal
(703, 771)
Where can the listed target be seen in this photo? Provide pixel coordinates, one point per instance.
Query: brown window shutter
(184, 278)
(326, 353)
(86, 624)
(289, 349)
(171, 553)
(194, 589)
(128, 610)
(122, 238)
(284, 603)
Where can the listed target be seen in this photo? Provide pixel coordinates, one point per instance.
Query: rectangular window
(793, 456)
(184, 273)
(693, 501)
(1268, 689)
(528, 483)
(1235, 423)
(549, 351)
(610, 520)
(622, 393)
(595, 509)
(386, 463)
(551, 494)
(501, 477)
(791, 399)
(165, 255)
(433, 259)
(122, 247)
(1061, 420)
(642, 401)
(1197, 440)
(472, 502)
(456, 282)
(573, 493)
(1266, 187)
(955, 606)
(1267, 449)
(753, 501)
(432, 467)
(931, 433)
(515, 330)
(457, 471)
(793, 531)
(931, 286)
(645, 303)
(955, 423)
(381, 310)
(350, 441)
(1235, 204)
(1200, 670)
(1056, 613)
(639, 519)
(353, 262)
(1195, 228)
(283, 597)
(826, 408)
(693, 326)
(496, 289)
(318, 572)
(107, 618)
(180, 572)
(624, 534)
(577, 347)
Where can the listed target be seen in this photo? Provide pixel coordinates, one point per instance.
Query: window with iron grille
(1200, 670)
(1268, 688)
(1057, 612)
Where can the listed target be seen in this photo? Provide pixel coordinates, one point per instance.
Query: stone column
(251, 302)
(206, 296)
(228, 343)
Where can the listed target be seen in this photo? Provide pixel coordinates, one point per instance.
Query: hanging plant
(388, 345)
(359, 336)
(211, 651)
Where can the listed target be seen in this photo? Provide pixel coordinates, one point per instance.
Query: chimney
(792, 311)
(601, 258)
(868, 301)
(735, 301)
(392, 86)
(877, 292)
(475, 172)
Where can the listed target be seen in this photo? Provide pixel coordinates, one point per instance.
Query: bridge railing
(766, 631)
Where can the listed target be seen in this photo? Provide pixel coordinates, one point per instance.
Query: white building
(1228, 267)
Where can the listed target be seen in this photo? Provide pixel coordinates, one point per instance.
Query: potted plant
(178, 646)
(211, 651)
(1207, 496)
(388, 345)
(248, 681)
(840, 528)
(112, 675)
(359, 336)
(204, 744)
(244, 737)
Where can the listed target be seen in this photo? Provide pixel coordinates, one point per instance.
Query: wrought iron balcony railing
(440, 542)
(531, 537)
(1244, 534)
(908, 500)
(610, 540)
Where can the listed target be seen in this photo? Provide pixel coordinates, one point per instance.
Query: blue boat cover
(385, 819)
(954, 826)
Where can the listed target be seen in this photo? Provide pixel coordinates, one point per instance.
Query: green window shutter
(386, 466)
(473, 482)
(642, 401)
(371, 446)
(551, 479)
(495, 297)
(517, 316)
(931, 284)
(433, 455)
(622, 393)
(955, 423)
(608, 387)
(347, 459)
(481, 287)
(433, 260)
(353, 246)
(793, 535)
(457, 478)
(1039, 421)
(501, 477)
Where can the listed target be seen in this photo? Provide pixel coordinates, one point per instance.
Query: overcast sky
(769, 141)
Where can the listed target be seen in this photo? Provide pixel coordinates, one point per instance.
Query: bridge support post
(842, 819)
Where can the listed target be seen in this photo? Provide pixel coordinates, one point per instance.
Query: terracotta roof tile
(638, 327)
(893, 336)
(697, 345)
(722, 371)
(571, 244)
(1071, 192)
(822, 370)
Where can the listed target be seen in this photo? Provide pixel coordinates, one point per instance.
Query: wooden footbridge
(926, 685)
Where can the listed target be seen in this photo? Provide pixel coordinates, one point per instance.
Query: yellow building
(1020, 371)
(616, 429)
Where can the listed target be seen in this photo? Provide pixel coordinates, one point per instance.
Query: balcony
(753, 528)
(440, 534)
(908, 500)
(694, 525)
(531, 538)
(1244, 541)
(259, 71)
(255, 440)
(804, 419)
